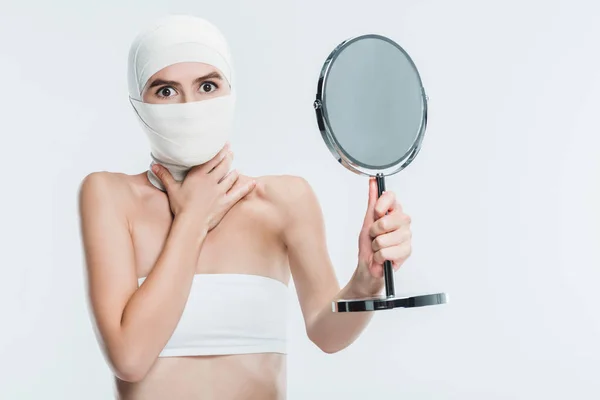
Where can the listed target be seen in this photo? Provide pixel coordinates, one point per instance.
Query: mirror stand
(393, 111)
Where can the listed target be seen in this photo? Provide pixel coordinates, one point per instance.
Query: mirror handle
(388, 271)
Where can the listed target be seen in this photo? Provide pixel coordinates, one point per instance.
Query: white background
(505, 195)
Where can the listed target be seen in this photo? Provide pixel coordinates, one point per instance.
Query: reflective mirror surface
(373, 105)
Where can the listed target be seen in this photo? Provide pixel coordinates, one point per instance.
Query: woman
(188, 263)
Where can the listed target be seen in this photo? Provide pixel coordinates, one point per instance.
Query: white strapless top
(231, 314)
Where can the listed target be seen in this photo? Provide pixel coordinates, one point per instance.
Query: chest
(248, 240)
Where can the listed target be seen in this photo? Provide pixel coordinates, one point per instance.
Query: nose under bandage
(181, 135)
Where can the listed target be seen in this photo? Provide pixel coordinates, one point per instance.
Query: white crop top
(231, 314)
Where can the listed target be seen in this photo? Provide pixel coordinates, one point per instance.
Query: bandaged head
(181, 135)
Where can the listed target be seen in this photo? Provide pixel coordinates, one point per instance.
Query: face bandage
(187, 134)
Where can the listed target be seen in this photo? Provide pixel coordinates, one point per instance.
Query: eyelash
(173, 89)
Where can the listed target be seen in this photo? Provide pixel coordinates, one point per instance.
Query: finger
(391, 239)
(164, 175)
(216, 160)
(385, 204)
(370, 214)
(223, 167)
(389, 223)
(373, 192)
(229, 180)
(396, 254)
(238, 192)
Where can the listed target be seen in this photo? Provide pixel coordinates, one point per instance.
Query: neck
(177, 171)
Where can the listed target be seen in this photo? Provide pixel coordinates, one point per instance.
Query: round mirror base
(388, 303)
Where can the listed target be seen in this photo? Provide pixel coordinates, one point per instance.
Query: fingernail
(155, 168)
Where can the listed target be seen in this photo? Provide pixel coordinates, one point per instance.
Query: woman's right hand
(208, 191)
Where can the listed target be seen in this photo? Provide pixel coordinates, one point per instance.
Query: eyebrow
(161, 82)
(212, 75)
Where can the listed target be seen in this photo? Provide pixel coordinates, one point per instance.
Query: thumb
(164, 175)
(373, 195)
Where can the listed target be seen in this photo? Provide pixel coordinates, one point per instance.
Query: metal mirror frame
(320, 106)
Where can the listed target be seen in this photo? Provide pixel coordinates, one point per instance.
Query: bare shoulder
(284, 188)
(103, 188)
(288, 192)
(101, 180)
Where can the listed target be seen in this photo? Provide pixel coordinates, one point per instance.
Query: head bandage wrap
(185, 134)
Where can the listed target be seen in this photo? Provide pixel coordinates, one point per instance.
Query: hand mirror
(371, 109)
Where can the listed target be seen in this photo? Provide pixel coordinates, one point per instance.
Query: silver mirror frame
(320, 106)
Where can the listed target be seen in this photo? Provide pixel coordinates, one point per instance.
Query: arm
(385, 235)
(313, 272)
(133, 324)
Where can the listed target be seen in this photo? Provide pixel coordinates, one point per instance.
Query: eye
(208, 87)
(166, 91)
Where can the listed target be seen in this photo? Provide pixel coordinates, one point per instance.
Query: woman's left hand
(385, 235)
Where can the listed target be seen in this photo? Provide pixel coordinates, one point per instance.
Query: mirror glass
(373, 102)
